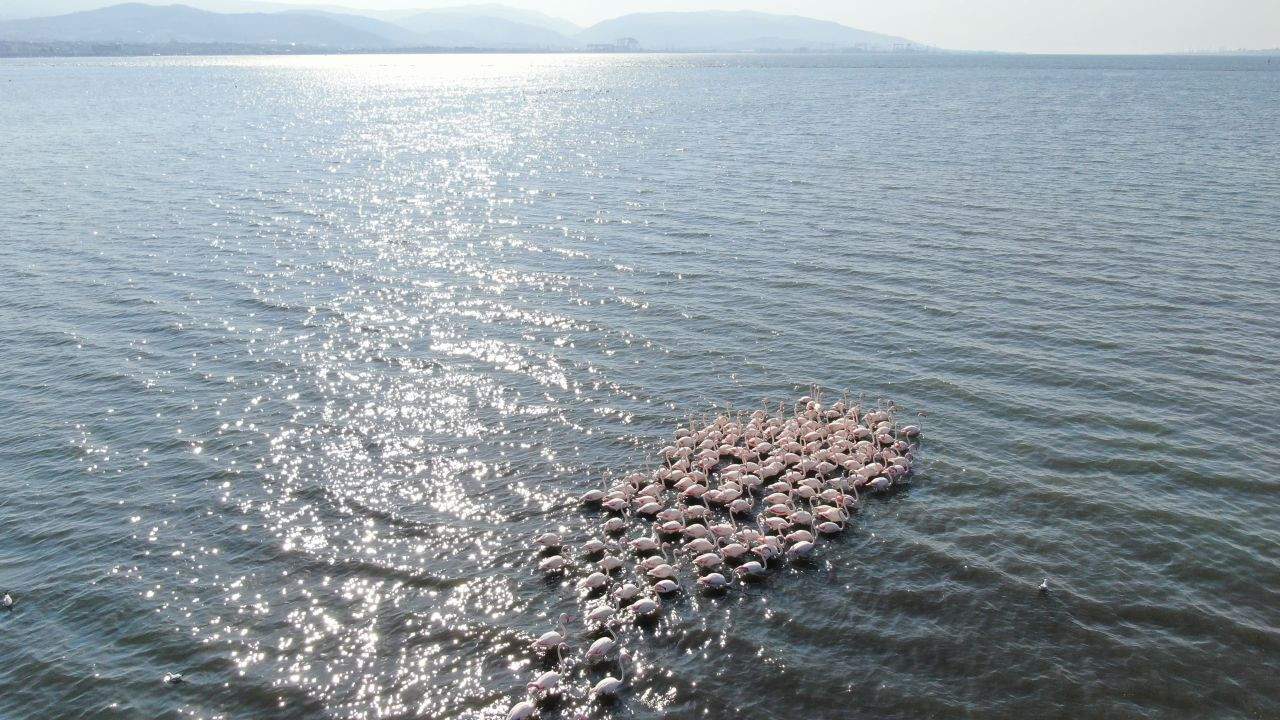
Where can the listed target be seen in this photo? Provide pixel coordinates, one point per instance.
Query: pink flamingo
(609, 686)
(602, 647)
(545, 682)
(626, 592)
(548, 540)
(714, 581)
(522, 710)
(802, 549)
(707, 561)
(593, 581)
(645, 606)
(699, 546)
(666, 586)
(554, 563)
(644, 544)
(552, 639)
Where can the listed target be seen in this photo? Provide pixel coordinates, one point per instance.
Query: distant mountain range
(719, 30)
(136, 23)
(495, 27)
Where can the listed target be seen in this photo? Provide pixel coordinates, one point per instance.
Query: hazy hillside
(136, 23)
(519, 15)
(391, 33)
(488, 26)
(718, 30)
(20, 9)
(456, 28)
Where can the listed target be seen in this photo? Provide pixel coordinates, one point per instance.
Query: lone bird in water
(1043, 586)
(7, 601)
(172, 678)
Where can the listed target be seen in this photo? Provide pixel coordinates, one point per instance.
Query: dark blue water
(300, 353)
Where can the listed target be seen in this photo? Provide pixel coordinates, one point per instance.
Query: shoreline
(13, 49)
(29, 49)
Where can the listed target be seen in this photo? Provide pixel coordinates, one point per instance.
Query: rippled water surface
(300, 353)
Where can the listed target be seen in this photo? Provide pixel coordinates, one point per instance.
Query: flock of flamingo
(730, 501)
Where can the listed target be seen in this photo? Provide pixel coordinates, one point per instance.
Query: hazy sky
(1090, 26)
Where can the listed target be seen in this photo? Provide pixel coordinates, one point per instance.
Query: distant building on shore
(626, 44)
